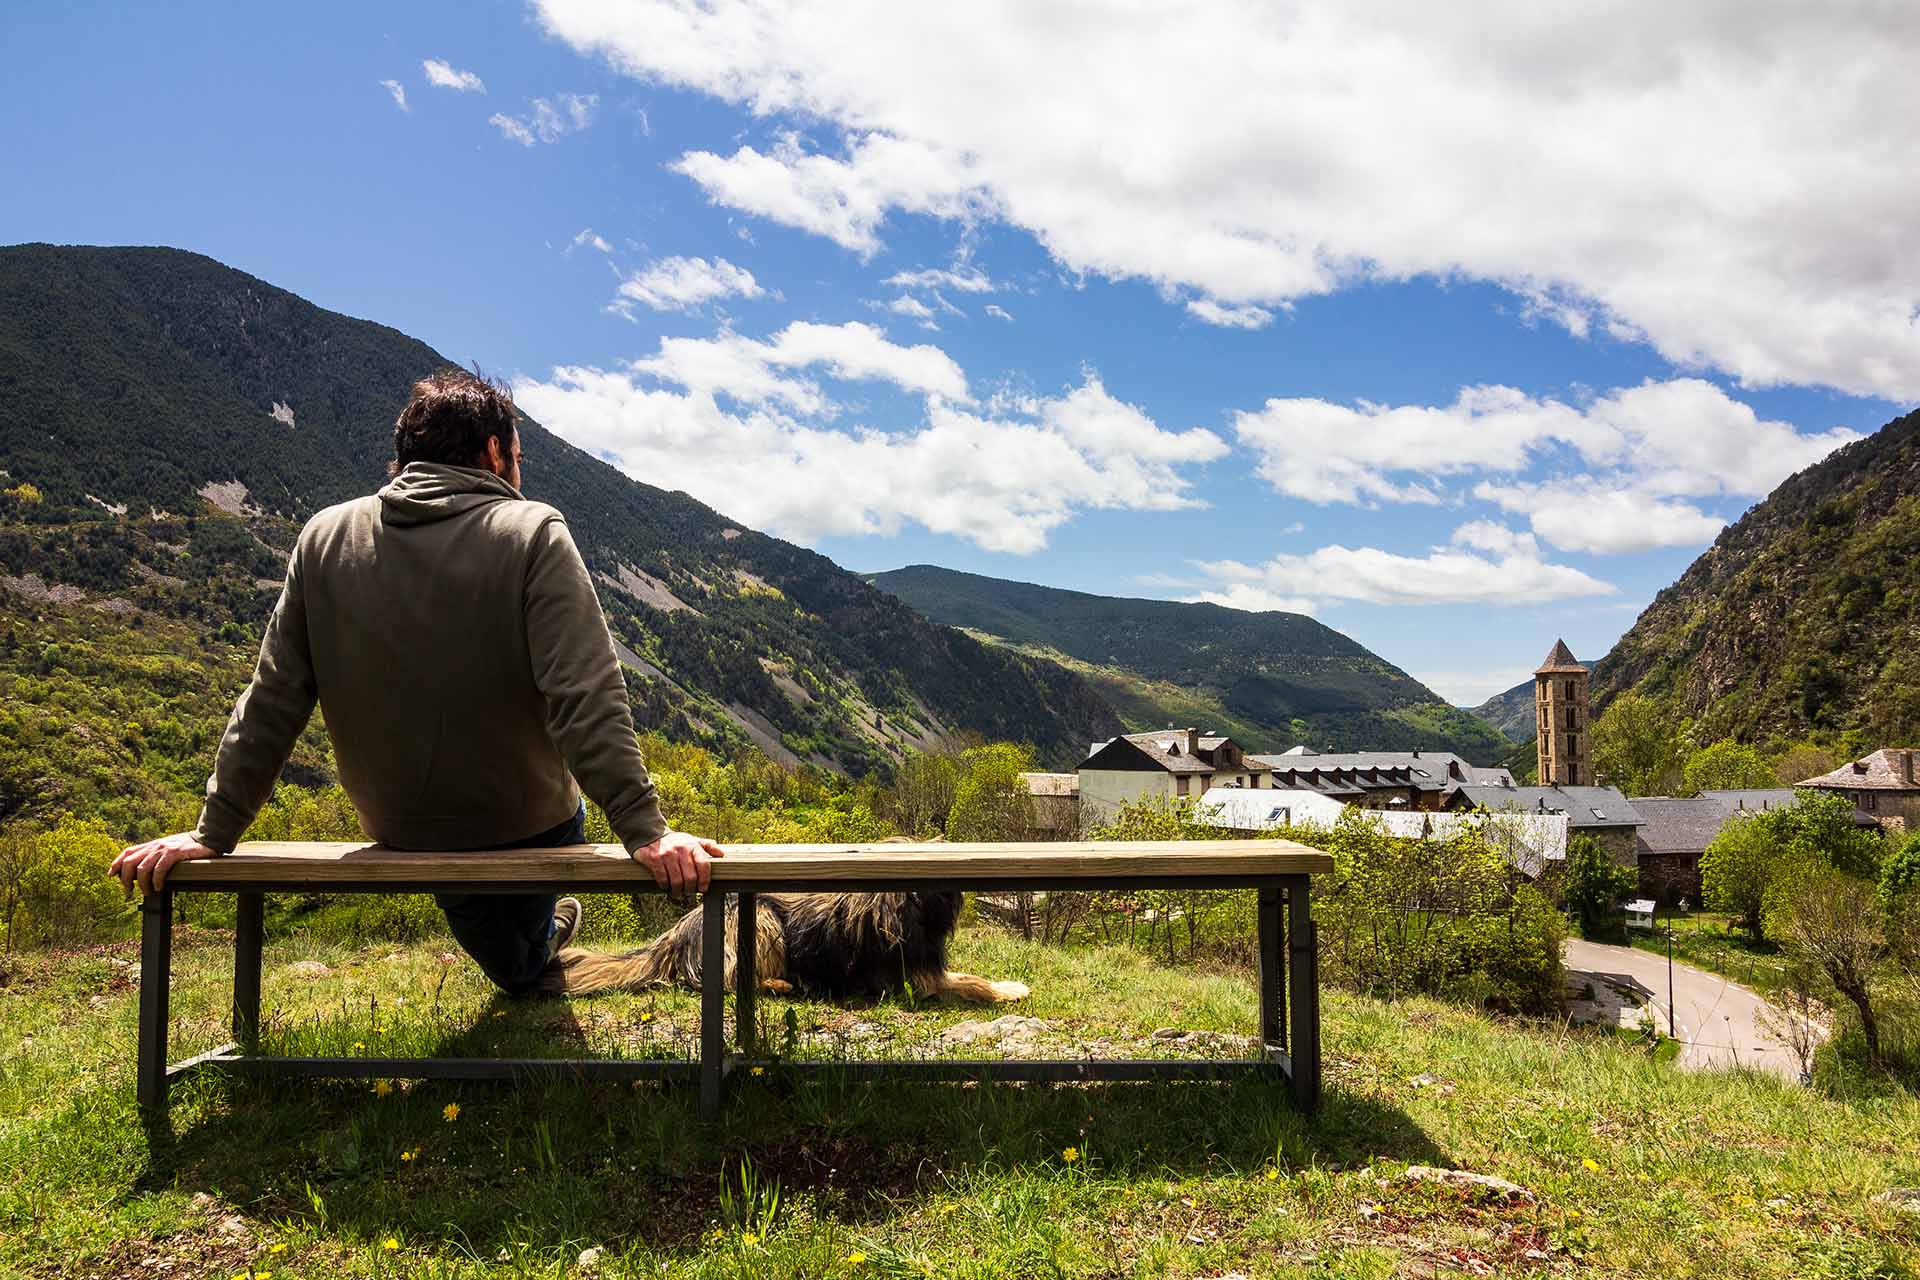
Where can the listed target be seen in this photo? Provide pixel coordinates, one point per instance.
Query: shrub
(55, 884)
(1596, 884)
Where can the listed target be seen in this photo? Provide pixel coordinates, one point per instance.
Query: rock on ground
(1905, 1199)
(1461, 1178)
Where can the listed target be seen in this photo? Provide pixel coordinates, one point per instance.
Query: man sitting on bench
(449, 630)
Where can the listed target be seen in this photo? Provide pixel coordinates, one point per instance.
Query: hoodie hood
(425, 492)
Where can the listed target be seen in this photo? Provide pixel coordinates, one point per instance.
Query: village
(1422, 794)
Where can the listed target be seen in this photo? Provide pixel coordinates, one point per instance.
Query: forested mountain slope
(1272, 680)
(166, 422)
(1803, 618)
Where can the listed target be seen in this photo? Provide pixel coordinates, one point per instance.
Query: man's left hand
(149, 863)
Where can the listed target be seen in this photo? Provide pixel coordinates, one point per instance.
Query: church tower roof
(1560, 659)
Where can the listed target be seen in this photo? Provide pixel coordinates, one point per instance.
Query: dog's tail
(661, 963)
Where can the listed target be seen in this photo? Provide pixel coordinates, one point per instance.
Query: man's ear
(496, 460)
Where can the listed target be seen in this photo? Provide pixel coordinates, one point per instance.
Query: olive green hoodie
(449, 630)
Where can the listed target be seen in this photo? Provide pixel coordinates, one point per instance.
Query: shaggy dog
(836, 945)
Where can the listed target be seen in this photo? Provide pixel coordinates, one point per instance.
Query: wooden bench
(1288, 968)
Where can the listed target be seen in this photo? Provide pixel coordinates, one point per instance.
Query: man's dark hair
(450, 418)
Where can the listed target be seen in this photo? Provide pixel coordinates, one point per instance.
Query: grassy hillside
(1632, 1169)
(1803, 618)
(1271, 680)
(166, 422)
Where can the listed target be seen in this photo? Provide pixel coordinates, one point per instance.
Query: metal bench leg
(249, 937)
(156, 964)
(746, 974)
(713, 1001)
(1304, 946)
(1272, 970)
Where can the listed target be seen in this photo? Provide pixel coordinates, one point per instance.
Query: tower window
(1569, 688)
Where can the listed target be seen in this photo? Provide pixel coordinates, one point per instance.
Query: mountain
(1270, 680)
(166, 422)
(1803, 618)
(1510, 712)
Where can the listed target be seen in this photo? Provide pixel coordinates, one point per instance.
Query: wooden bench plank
(342, 864)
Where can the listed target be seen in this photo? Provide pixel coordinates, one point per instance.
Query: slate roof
(1424, 770)
(1754, 797)
(1680, 826)
(1587, 808)
(1559, 658)
(1888, 769)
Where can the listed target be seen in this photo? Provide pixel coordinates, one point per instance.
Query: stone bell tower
(1560, 714)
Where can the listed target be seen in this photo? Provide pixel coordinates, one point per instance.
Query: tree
(1801, 761)
(1638, 748)
(1834, 923)
(923, 791)
(1900, 875)
(1596, 884)
(1726, 766)
(1756, 864)
(1794, 1017)
(990, 802)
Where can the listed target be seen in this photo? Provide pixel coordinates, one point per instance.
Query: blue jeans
(507, 933)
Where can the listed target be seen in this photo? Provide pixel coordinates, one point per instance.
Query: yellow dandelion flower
(381, 1088)
(406, 1157)
(391, 1245)
(279, 1248)
(1573, 1213)
(759, 1071)
(856, 1257)
(1070, 1154)
(1273, 1175)
(358, 1045)
(1590, 1165)
(451, 1111)
(263, 1275)
(646, 1017)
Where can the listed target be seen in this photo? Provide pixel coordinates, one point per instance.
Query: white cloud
(398, 92)
(1002, 479)
(1644, 448)
(588, 238)
(1711, 178)
(998, 312)
(961, 278)
(912, 309)
(1471, 688)
(549, 121)
(1484, 563)
(444, 76)
(843, 200)
(681, 284)
(1211, 312)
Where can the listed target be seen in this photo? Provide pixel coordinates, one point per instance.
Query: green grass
(1707, 941)
(1638, 1170)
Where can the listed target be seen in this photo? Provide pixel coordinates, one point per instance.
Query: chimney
(1193, 741)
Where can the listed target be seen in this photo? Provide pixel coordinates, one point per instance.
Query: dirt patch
(645, 588)
(230, 496)
(34, 587)
(782, 677)
(764, 735)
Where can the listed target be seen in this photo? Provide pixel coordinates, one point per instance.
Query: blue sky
(1463, 336)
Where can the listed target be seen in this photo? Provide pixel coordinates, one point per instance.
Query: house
(1600, 812)
(1675, 833)
(1263, 809)
(1672, 836)
(1530, 842)
(1883, 785)
(1170, 764)
(1056, 803)
(1380, 779)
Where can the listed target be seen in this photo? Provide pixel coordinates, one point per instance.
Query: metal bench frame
(1287, 976)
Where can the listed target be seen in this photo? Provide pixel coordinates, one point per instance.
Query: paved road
(1716, 1019)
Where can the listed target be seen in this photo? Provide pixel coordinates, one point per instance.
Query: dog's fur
(834, 945)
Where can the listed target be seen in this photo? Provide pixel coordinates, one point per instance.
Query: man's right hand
(681, 864)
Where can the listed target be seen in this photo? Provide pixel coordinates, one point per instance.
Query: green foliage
(1758, 861)
(1638, 748)
(1596, 885)
(1900, 875)
(1444, 918)
(54, 888)
(989, 801)
(1727, 765)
